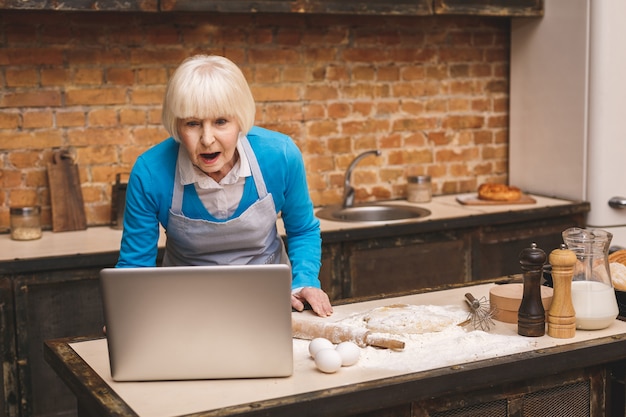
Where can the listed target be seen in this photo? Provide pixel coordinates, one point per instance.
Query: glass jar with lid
(419, 189)
(25, 223)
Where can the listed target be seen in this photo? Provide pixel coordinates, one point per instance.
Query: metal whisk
(481, 313)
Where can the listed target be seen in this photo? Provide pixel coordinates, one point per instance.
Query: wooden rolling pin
(337, 333)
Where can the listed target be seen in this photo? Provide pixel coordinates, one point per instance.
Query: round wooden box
(507, 298)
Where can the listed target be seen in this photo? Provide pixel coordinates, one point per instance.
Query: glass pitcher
(593, 295)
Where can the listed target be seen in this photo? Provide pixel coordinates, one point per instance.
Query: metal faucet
(348, 190)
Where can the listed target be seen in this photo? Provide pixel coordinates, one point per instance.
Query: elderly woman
(218, 183)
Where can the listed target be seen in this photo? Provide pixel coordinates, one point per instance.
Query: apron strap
(254, 166)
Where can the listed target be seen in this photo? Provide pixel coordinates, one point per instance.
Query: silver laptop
(198, 322)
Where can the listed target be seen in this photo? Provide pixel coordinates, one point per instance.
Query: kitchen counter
(446, 213)
(373, 383)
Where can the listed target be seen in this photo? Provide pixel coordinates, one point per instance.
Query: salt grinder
(531, 316)
(561, 316)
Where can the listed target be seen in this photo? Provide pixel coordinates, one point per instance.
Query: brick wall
(430, 92)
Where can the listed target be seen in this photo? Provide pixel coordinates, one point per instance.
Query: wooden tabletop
(83, 365)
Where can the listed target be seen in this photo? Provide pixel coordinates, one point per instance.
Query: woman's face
(210, 143)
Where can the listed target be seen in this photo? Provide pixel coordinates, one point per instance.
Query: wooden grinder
(561, 316)
(531, 316)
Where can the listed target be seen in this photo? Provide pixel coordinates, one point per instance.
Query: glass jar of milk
(593, 296)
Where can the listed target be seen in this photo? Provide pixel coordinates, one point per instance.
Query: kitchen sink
(371, 213)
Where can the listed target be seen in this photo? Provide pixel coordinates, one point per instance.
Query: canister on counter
(419, 189)
(25, 223)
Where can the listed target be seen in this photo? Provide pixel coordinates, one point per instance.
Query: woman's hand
(315, 297)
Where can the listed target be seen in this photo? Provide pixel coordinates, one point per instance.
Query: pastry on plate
(498, 192)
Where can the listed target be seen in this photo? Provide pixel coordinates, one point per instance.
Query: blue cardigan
(149, 197)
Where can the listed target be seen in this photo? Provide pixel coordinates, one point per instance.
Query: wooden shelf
(501, 8)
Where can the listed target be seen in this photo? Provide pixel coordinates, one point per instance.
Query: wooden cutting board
(506, 300)
(66, 196)
(473, 200)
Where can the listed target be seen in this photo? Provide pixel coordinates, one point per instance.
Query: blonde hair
(207, 86)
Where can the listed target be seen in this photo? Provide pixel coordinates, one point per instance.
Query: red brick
(384, 108)
(54, 76)
(335, 73)
(148, 135)
(295, 73)
(275, 93)
(154, 116)
(449, 155)
(102, 117)
(31, 56)
(21, 77)
(40, 98)
(70, 118)
(408, 157)
(9, 120)
(367, 126)
(149, 95)
(37, 119)
(417, 123)
(38, 139)
(322, 128)
(498, 121)
(363, 73)
(96, 155)
(267, 74)
(152, 76)
(314, 111)
(463, 122)
(283, 111)
(87, 76)
(23, 197)
(388, 73)
(101, 96)
(119, 76)
(413, 54)
(132, 116)
(320, 92)
(362, 108)
(10, 178)
(97, 136)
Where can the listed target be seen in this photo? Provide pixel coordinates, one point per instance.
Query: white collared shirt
(222, 198)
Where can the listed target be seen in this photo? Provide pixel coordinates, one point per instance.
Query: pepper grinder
(561, 316)
(531, 316)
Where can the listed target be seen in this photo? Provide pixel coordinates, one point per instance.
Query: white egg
(328, 360)
(318, 344)
(349, 352)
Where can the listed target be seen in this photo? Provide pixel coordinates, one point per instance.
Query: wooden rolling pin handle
(384, 342)
(337, 333)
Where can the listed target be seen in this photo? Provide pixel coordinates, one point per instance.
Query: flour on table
(405, 319)
(432, 338)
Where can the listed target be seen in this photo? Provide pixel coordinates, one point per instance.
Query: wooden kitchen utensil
(337, 333)
(66, 197)
(531, 316)
(562, 316)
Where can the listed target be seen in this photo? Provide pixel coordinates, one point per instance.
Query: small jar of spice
(25, 223)
(419, 189)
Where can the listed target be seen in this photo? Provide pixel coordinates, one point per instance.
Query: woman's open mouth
(209, 158)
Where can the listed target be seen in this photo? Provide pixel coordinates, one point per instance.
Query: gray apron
(251, 238)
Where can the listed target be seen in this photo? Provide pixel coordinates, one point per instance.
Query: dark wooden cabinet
(48, 305)
(387, 260)
(385, 266)
(577, 393)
